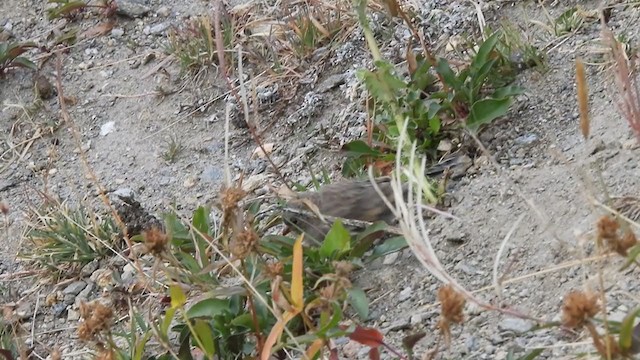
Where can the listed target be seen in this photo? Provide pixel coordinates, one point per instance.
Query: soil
(547, 173)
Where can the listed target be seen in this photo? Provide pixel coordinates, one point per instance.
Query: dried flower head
(97, 318)
(452, 310)
(56, 354)
(608, 233)
(452, 304)
(155, 240)
(607, 228)
(274, 269)
(105, 354)
(244, 243)
(229, 199)
(578, 308)
(343, 268)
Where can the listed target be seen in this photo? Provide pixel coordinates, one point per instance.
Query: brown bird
(354, 200)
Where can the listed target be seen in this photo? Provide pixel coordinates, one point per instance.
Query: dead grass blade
(583, 97)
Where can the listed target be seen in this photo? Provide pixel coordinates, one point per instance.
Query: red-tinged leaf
(20, 49)
(412, 63)
(7, 354)
(367, 336)
(333, 354)
(374, 354)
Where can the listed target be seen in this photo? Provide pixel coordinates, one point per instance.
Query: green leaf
(482, 57)
(338, 240)
(359, 147)
(530, 356)
(363, 241)
(201, 220)
(166, 322)
(435, 124)
(387, 247)
(178, 297)
(507, 91)
(66, 9)
(485, 111)
(358, 300)
(631, 258)
(208, 308)
(205, 335)
(626, 330)
(443, 68)
(245, 320)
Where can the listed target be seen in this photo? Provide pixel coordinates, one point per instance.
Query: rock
(405, 294)
(527, 139)
(107, 128)
(515, 325)
(89, 268)
(331, 83)
(124, 193)
(74, 288)
(69, 299)
(73, 315)
(132, 8)
(24, 310)
(416, 319)
(158, 29)
(212, 174)
(163, 11)
(59, 310)
(117, 32)
(260, 154)
(390, 258)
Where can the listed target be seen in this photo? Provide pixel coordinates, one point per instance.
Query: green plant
(65, 237)
(72, 8)
(10, 56)
(465, 97)
(194, 45)
(173, 150)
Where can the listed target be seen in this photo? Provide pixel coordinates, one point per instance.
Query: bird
(353, 200)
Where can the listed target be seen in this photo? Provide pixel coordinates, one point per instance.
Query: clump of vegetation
(72, 9)
(173, 149)
(10, 56)
(64, 238)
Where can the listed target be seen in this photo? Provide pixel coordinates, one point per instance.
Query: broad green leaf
(362, 243)
(337, 240)
(486, 110)
(205, 335)
(507, 91)
(208, 308)
(245, 320)
(359, 147)
(435, 124)
(388, 246)
(328, 325)
(358, 300)
(482, 57)
(201, 220)
(443, 68)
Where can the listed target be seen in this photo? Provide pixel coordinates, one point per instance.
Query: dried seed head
(607, 228)
(97, 318)
(578, 308)
(274, 269)
(452, 304)
(155, 240)
(343, 268)
(608, 233)
(56, 354)
(244, 243)
(105, 354)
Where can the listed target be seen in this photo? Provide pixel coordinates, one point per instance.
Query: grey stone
(74, 288)
(132, 8)
(515, 325)
(89, 268)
